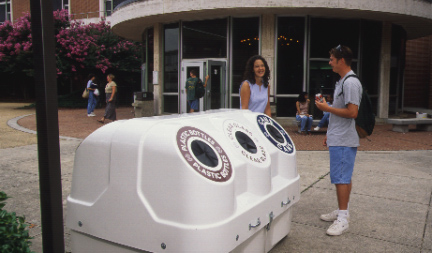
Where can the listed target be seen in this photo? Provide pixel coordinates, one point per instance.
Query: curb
(13, 123)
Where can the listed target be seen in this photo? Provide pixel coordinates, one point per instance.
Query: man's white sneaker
(330, 216)
(338, 227)
(317, 128)
(91, 115)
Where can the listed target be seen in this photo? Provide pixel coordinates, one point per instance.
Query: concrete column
(101, 8)
(268, 49)
(385, 64)
(158, 67)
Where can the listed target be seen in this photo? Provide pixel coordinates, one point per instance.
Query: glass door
(216, 90)
(187, 67)
(216, 96)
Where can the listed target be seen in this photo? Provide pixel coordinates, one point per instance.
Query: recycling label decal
(275, 134)
(209, 159)
(232, 128)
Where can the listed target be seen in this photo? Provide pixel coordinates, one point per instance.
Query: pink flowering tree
(93, 47)
(80, 49)
(16, 54)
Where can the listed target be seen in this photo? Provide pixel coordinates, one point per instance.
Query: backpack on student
(199, 89)
(365, 121)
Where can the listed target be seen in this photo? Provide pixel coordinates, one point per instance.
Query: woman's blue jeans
(92, 102)
(306, 122)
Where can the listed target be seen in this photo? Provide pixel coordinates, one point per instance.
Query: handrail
(126, 2)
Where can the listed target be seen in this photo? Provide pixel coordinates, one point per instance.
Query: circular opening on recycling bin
(246, 142)
(204, 153)
(275, 133)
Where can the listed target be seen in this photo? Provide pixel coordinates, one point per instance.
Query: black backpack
(365, 121)
(199, 89)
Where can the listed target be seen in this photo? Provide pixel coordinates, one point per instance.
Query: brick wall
(19, 8)
(418, 77)
(81, 9)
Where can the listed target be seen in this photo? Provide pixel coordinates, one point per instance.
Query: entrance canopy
(130, 20)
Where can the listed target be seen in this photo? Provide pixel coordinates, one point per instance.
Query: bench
(401, 125)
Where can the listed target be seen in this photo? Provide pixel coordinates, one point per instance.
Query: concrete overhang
(130, 20)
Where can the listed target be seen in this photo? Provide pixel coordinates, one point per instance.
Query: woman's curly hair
(249, 73)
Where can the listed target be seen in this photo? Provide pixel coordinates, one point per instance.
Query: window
(5, 13)
(205, 39)
(397, 70)
(326, 34)
(60, 4)
(66, 4)
(110, 5)
(290, 63)
(148, 65)
(321, 77)
(171, 68)
(290, 48)
(245, 43)
(370, 64)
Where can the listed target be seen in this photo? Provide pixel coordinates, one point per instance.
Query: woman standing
(110, 93)
(254, 91)
(92, 99)
(302, 115)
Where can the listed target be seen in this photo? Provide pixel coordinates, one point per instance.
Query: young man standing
(342, 138)
(191, 83)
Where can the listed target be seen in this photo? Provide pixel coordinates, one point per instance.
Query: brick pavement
(75, 123)
(382, 139)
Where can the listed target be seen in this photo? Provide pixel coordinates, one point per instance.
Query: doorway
(216, 90)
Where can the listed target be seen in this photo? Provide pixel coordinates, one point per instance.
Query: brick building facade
(83, 9)
(19, 7)
(418, 73)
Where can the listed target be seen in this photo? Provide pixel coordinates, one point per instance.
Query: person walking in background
(302, 114)
(254, 91)
(342, 138)
(92, 99)
(190, 85)
(325, 119)
(110, 93)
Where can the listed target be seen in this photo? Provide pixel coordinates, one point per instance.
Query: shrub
(14, 236)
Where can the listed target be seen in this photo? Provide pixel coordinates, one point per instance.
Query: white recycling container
(216, 181)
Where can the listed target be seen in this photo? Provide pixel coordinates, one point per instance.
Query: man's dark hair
(194, 72)
(340, 52)
(91, 75)
(249, 70)
(301, 98)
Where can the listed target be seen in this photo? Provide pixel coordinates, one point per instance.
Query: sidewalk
(390, 206)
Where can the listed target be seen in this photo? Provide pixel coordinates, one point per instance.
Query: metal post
(47, 125)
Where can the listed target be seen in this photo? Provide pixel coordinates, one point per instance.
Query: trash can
(220, 181)
(143, 104)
